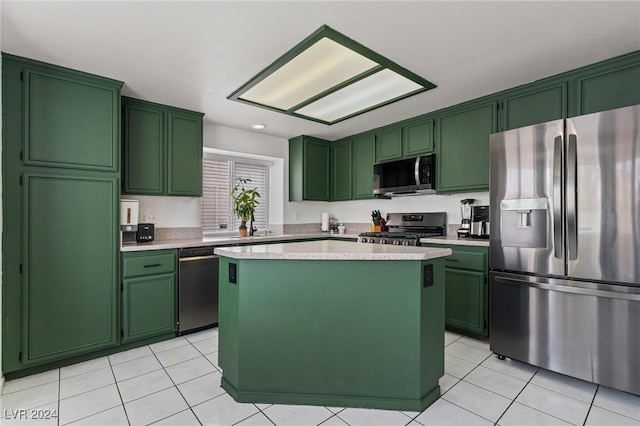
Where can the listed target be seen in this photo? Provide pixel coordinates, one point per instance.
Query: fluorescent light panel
(319, 68)
(364, 94)
(328, 78)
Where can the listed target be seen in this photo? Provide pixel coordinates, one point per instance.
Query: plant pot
(242, 231)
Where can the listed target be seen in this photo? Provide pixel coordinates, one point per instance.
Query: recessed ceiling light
(328, 78)
(258, 126)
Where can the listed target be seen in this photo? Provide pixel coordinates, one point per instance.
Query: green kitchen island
(332, 323)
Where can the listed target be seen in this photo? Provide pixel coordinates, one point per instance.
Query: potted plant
(244, 203)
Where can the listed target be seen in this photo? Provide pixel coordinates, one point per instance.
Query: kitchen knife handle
(572, 219)
(557, 197)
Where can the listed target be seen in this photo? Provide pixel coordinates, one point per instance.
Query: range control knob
(372, 240)
(383, 241)
(396, 242)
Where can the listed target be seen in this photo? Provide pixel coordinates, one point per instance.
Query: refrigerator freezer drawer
(584, 330)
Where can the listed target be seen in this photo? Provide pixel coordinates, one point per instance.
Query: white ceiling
(194, 54)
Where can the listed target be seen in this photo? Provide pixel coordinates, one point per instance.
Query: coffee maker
(465, 212)
(480, 222)
(129, 221)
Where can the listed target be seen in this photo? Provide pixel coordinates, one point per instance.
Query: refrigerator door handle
(557, 198)
(574, 288)
(571, 193)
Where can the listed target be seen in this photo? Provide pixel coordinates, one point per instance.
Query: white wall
(360, 211)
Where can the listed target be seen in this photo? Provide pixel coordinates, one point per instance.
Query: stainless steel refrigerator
(565, 246)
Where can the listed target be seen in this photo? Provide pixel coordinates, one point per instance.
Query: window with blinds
(218, 177)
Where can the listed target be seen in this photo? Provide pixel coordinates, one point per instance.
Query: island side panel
(350, 333)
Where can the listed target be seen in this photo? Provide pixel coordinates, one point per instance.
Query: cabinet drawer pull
(451, 260)
(152, 265)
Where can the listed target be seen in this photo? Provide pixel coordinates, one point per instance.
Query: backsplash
(308, 228)
(177, 233)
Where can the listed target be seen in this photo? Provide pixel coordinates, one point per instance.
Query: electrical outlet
(296, 216)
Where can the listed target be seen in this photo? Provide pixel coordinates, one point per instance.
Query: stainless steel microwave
(409, 176)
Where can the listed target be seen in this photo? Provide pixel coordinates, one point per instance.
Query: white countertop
(331, 250)
(227, 240)
(453, 239)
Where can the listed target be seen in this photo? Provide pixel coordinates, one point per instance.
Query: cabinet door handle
(152, 265)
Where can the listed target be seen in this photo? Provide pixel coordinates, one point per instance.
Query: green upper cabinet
(69, 290)
(534, 105)
(341, 162)
(405, 139)
(609, 89)
(184, 146)
(389, 143)
(143, 160)
(363, 148)
(462, 135)
(162, 152)
(309, 165)
(71, 119)
(418, 137)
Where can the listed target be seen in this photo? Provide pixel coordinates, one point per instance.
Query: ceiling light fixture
(258, 126)
(328, 78)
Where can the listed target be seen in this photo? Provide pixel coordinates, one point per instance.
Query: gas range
(406, 229)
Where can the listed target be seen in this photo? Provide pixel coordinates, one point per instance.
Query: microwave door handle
(416, 170)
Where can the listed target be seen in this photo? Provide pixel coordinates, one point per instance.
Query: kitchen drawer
(148, 263)
(466, 260)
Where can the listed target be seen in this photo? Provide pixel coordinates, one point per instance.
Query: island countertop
(331, 250)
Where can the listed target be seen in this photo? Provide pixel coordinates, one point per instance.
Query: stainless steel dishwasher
(197, 289)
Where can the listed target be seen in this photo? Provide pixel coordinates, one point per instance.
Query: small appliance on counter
(129, 221)
(145, 233)
(466, 207)
(480, 222)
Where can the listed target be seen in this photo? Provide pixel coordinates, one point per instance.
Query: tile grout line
(516, 397)
(176, 386)
(488, 390)
(591, 405)
(126, 415)
(59, 394)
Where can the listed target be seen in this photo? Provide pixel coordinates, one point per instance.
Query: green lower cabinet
(317, 332)
(464, 297)
(69, 289)
(148, 306)
(149, 289)
(466, 290)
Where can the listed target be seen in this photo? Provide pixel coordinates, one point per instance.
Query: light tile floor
(177, 382)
